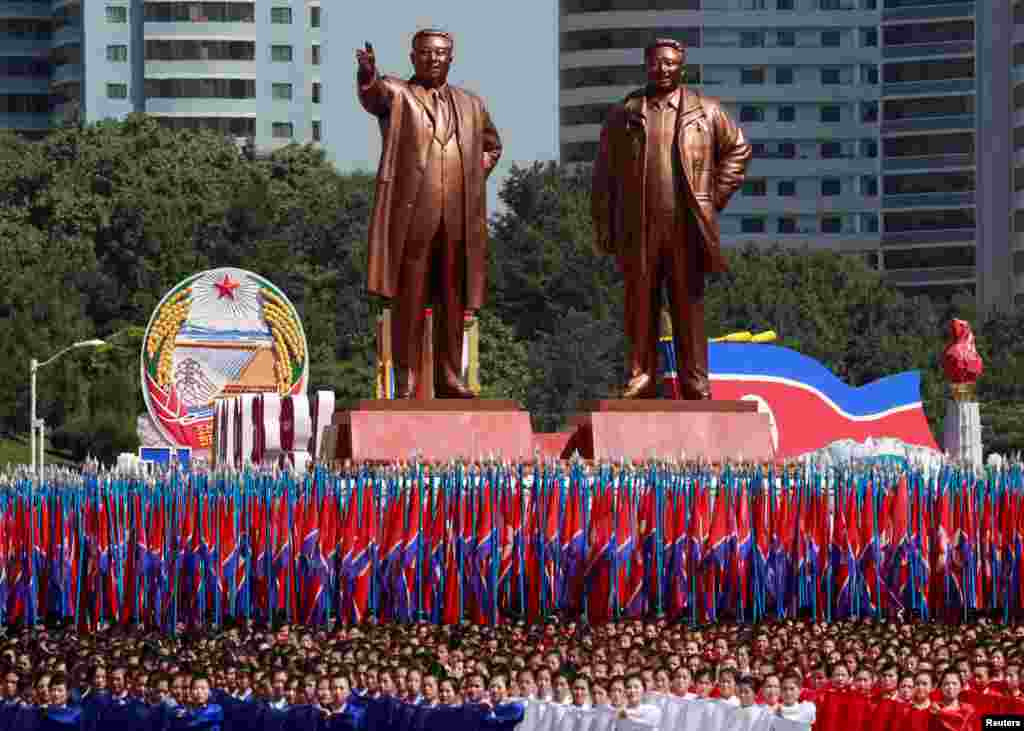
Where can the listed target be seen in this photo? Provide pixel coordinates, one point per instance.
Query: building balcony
(10, 46)
(24, 122)
(929, 12)
(808, 130)
(797, 167)
(200, 69)
(218, 31)
(66, 73)
(726, 55)
(928, 200)
(774, 205)
(929, 236)
(929, 50)
(928, 88)
(935, 162)
(21, 85)
(717, 13)
(67, 35)
(852, 241)
(41, 9)
(734, 93)
(936, 275)
(201, 107)
(929, 124)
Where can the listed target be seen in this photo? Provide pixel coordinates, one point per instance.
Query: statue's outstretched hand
(367, 62)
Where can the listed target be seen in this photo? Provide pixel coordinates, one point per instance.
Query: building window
(281, 130)
(314, 16)
(188, 50)
(117, 91)
(199, 12)
(751, 114)
(315, 55)
(784, 4)
(830, 76)
(786, 188)
(869, 74)
(281, 53)
(869, 111)
(832, 225)
(830, 4)
(281, 16)
(758, 149)
(831, 113)
(960, 218)
(869, 148)
(752, 75)
(868, 186)
(752, 39)
(752, 225)
(784, 75)
(926, 257)
(787, 114)
(787, 225)
(830, 150)
(831, 38)
(869, 37)
(831, 186)
(869, 223)
(316, 130)
(281, 92)
(787, 150)
(785, 39)
(117, 14)
(316, 92)
(231, 126)
(606, 39)
(756, 188)
(117, 54)
(200, 88)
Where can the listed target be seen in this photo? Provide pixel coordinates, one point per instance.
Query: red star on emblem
(226, 287)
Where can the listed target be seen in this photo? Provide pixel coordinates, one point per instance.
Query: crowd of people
(391, 677)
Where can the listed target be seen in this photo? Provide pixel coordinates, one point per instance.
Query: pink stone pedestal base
(440, 429)
(665, 429)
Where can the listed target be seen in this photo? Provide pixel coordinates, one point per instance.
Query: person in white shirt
(792, 709)
(747, 698)
(727, 687)
(641, 714)
(681, 682)
(581, 693)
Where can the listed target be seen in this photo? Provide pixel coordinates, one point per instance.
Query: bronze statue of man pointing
(428, 232)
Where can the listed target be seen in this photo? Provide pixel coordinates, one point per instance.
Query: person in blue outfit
(201, 715)
(60, 715)
(505, 714)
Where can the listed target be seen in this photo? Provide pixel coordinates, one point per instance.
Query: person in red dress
(950, 713)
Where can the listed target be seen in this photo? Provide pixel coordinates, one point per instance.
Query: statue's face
(664, 68)
(432, 57)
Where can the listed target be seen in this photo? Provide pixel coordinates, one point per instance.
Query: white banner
(662, 713)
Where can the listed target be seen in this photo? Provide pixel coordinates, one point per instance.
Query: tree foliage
(97, 223)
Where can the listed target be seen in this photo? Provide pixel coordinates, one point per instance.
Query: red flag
(600, 557)
(454, 545)
(363, 557)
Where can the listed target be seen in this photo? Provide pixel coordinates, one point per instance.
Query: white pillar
(961, 438)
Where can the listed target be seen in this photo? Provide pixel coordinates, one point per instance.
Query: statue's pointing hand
(367, 62)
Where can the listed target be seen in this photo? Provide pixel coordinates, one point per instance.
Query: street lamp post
(33, 366)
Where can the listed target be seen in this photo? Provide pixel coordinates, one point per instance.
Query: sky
(504, 51)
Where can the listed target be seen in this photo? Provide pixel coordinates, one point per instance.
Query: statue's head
(431, 56)
(664, 59)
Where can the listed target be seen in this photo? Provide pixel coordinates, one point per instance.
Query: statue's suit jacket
(407, 130)
(714, 156)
